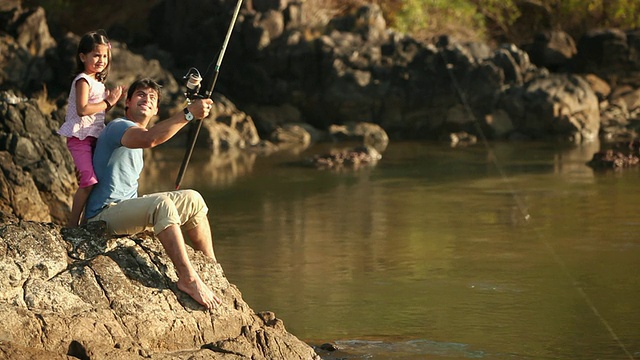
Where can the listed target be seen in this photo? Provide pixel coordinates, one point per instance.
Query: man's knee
(195, 209)
(164, 213)
(194, 202)
(195, 197)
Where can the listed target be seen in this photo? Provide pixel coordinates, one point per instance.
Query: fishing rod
(193, 92)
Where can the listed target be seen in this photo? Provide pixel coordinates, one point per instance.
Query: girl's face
(96, 60)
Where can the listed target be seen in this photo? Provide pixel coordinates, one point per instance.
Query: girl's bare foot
(199, 291)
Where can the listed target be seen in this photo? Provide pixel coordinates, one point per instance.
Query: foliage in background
(576, 17)
(426, 19)
(582, 15)
(497, 21)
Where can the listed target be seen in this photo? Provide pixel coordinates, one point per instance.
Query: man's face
(143, 102)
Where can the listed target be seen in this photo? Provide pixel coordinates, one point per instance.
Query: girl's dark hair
(87, 43)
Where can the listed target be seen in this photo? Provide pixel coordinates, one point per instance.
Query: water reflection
(209, 169)
(205, 168)
(427, 254)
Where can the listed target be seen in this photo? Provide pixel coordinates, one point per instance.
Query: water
(434, 253)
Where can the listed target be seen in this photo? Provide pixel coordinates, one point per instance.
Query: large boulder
(83, 295)
(557, 106)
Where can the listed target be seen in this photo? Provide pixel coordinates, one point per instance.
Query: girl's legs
(79, 200)
(82, 153)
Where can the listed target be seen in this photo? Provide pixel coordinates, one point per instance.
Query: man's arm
(138, 137)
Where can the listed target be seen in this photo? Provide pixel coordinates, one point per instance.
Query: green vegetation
(514, 21)
(585, 14)
(426, 18)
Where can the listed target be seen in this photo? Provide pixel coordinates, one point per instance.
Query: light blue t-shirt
(116, 166)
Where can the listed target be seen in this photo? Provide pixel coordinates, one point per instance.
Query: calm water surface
(434, 253)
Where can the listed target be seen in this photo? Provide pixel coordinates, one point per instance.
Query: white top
(83, 126)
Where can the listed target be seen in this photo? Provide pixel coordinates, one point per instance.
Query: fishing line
(503, 176)
(520, 203)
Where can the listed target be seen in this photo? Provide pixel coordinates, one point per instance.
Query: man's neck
(140, 122)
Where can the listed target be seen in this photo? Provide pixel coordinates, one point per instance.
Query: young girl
(86, 107)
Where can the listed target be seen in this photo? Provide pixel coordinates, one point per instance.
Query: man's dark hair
(145, 84)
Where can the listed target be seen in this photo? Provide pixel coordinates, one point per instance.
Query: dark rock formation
(352, 159)
(611, 159)
(553, 50)
(621, 155)
(356, 69)
(37, 170)
(280, 69)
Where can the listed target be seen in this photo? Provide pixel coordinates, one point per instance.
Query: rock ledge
(76, 293)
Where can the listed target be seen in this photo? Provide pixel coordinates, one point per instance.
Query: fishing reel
(193, 84)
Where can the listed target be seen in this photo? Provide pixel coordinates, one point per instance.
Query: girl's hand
(124, 91)
(114, 95)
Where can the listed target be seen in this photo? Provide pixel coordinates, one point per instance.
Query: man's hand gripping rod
(193, 85)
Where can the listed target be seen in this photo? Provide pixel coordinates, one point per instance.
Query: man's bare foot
(199, 291)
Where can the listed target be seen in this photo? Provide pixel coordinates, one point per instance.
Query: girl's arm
(82, 100)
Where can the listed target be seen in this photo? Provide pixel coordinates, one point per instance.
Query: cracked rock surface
(76, 293)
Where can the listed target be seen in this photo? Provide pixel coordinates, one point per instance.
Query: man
(118, 161)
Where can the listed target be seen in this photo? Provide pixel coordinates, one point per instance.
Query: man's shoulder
(121, 123)
(121, 120)
(116, 128)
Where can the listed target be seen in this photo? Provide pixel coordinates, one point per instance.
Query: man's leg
(158, 210)
(202, 239)
(193, 218)
(188, 280)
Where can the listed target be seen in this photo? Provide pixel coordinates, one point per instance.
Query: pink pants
(82, 153)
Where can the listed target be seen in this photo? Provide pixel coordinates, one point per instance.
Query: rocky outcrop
(359, 69)
(83, 295)
(280, 69)
(37, 170)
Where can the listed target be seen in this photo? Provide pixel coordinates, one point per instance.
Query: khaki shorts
(154, 211)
